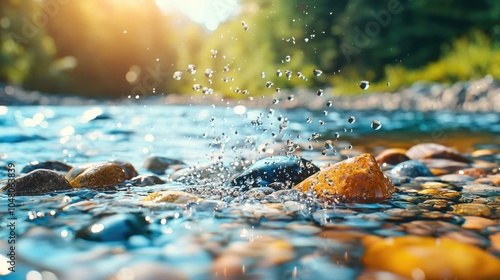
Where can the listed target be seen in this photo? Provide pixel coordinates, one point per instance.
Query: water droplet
(276, 101)
(329, 145)
(288, 74)
(237, 90)
(317, 72)
(207, 90)
(319, 92)
(209, 73)
(279, 73)
(300, 75)
(245, 26)
(278, 90)
(325, 113)
(336, 135)
(262, 75)
(321, 122)
(329, 104)
(388, 84)
(226, 68)
(309, 120)
(191, 68)
(177, 75)
(287, 58)
(351, 119)
(306, 40)
(376, 124)
(364, 85)
(197, 87)
(290, 97)
(214, 53)
(269, 84)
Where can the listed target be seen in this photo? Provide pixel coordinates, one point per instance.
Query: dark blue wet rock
(411, 168)
(269, 172)
(117, 227)
(38, 182)
(49, 164)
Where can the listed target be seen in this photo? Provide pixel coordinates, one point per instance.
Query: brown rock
(100, 176)
(431, 258)
(495, 241)
(357, 179)
(484, 152)
(432, 150)
(127, 167)
(490, 180)
(473, 172)
(392, 156)
(472, 209)
(37, 182)
(76, 170)
(473, 222)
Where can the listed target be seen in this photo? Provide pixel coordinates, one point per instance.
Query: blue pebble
(411, 168)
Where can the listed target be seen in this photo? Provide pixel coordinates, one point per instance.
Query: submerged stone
(289, 170)
(117, 227)
(38, 182)
(411, 168)
(429, 258)
(433, 150)
(357, 179)
(178, 197)
(49, 164)
(100, 176)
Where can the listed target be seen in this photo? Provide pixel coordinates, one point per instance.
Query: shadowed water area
(226, 232)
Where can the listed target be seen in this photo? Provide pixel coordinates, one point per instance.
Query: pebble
(392, 156)
(146, 180)
(418, 257)
(178, 197)
(158, 164)
(116, 227)
(77, 170)
(433, 150)
(357, 179)
(49, 164)
(411, 168)
(127, 167)
(472, 172)
(472, 209)
(478, 223)
(480, 189)
(441, 166)
(38, 182)
(100, 176)
(289, 170)
(455, 178)
(495, 241)
(148, 270)
(490, 179)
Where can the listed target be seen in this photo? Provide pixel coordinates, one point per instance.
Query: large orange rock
(358, 179)
(430, 258)
(100, 176)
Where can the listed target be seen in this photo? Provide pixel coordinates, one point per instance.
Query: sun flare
(209, 13)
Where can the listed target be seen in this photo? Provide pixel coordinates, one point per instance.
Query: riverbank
(481, 95)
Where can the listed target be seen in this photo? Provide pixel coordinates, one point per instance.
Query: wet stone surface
(233, 207)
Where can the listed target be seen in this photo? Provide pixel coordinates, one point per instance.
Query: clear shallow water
(194, 238)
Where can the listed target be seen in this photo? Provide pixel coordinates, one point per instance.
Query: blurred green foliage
(125, 48)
